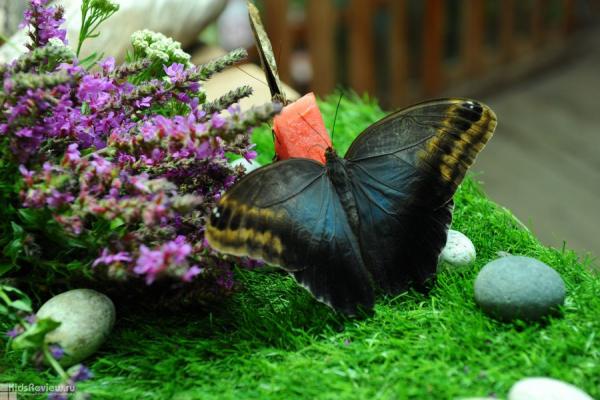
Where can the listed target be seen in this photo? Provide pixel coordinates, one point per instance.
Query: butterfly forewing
(289, 215)
(405, 170)
(265, 52)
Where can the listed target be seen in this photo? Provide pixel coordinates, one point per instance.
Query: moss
(273, 341)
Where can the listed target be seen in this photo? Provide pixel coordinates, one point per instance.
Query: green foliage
(93, 13)
(33, 337)
(273, 341)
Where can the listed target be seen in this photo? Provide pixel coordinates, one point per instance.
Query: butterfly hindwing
(405, 170)
(439, 139)
(289, 215)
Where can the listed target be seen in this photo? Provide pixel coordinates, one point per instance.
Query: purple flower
(57, 199)
(172, 254)
(96, 91)
(149, 263)
(24, 133)
(191, 273)
(82, 373)
(217, 121)
(144, 102)
(31, 319)
(108, 65)
(45, 22)
(16, 331)
(58, 396)
(72, 155)
(109, 259)
(56, 351)
(175, 72)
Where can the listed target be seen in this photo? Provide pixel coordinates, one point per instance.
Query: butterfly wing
(405, 170)
(288, 214)
(265, 52)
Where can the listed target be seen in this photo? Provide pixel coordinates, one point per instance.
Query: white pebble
(540, 388)
(86, 318)
(459, 250)
(249, 166)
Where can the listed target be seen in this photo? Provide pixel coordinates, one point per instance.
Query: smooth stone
(249, 166)
(518, 287)
(476, 398)
(459, 250)
(86, 317)
(540, 388)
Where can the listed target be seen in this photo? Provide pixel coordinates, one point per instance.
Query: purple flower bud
(191, 273)
(108, 65)
(56, 351)
(16, 331)
(82, 373)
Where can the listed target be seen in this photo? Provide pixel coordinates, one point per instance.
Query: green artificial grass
(273, 341)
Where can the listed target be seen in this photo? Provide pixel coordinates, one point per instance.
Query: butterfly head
(330, 155)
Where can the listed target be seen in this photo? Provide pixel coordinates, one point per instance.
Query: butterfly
(371, 222)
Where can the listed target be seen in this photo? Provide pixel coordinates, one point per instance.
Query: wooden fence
(403, 50)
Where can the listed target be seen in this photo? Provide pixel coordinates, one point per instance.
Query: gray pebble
(517, 287)
(86, 318)
(459, 250)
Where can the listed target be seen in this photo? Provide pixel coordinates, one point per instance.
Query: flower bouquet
(108, 172)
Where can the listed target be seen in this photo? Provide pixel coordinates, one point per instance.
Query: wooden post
(277, 27)
(507, 30)
(568, 17)
(398, 53)
(473, 34)
(321, 23)
(537, 22)
(433, 46)
(362, 51)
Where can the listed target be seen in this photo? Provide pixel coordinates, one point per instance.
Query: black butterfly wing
(405, 170)
(288, 214)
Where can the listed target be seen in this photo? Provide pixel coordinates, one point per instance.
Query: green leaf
(23, 305)
(33, 337)
(115, 223)
(17, 230)
(14, 249)
(29, 216)
(4, 268)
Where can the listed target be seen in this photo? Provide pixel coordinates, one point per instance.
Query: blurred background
(535, 62)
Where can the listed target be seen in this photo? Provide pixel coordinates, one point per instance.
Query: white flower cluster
(156, 46)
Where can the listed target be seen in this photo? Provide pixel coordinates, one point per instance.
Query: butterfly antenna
(312, 127)
(335, 115)
(251, 76)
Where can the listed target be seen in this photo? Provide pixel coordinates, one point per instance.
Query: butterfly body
(372, 221)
